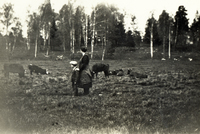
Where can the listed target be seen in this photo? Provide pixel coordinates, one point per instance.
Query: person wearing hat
(85, 76)
(74, 77)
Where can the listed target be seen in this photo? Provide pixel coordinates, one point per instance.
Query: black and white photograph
(99, 66)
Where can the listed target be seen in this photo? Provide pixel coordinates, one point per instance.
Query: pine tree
(195, 30)
(163, 28)
(181, 28)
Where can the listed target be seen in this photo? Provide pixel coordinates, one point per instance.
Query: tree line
(173, 33)
(71, 28)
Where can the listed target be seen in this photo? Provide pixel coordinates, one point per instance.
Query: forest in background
(72, 28)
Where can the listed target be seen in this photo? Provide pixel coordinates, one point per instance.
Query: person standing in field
(74, 77)
(81, 74)
(85, 76)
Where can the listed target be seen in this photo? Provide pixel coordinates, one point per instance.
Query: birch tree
(46, 19)
(80, 26)
(71, 25)
(64, 25)
(34, 29)
(16, 31)
(7, 18)
(151, 34)
(170, 31)
(86, 30)
(104, 24)
(151, 37)
(93, 32)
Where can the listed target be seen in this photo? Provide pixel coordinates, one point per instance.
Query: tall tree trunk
(71, 47)
(151, 42)
(64, 38)
(45, 42)
(49, 41)
(36, 47)
(71, 44)
(6, 37)
(14, 44)
(92, 42)
(45, 39)
(176, 36)
(9, 50)
(64, 49)
(164, 39)
(164, 46)
(86, 31)
(28, 43)
(169, 50)
(6, 43)
(73, 36)
(102, 40)
(45, 36)
(80, 35)
(73, 39)
(47, 53)
(104, 49)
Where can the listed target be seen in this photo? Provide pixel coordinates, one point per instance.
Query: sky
(141, 9)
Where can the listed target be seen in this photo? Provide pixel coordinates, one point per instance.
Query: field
(167, 101)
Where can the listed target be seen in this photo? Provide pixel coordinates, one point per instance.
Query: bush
(184, 48)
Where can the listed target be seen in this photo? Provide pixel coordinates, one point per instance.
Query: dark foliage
(180, 28)
(55, 42)
(156, 39)
(129, 39)
(118, 36)
(195, 32)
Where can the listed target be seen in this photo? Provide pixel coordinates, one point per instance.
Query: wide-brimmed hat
(73, 63)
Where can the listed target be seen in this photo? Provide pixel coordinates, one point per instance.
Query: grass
(165, 102)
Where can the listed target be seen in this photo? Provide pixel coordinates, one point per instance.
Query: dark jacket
(84, 62)
(85, 76)
(75, 75)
